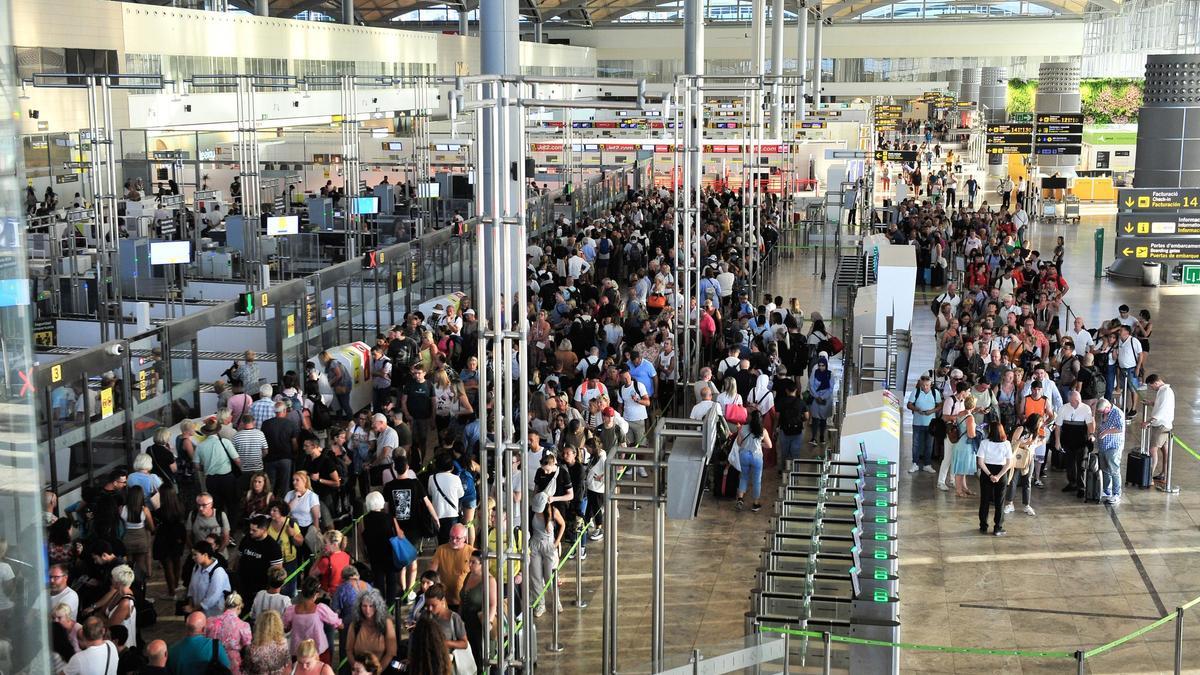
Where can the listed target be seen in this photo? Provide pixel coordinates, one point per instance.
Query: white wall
(147, 29)
(985, 38)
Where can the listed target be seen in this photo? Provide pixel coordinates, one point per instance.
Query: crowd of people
(247, 515)
(1021, 384)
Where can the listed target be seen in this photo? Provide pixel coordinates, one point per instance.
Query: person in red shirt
(331, 563)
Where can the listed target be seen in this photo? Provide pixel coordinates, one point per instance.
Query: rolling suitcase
(1091, 478)
(1137, 470)
(725, 481)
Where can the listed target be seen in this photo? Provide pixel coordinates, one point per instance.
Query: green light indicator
(880, 596)
(880, 554)
(881, 462)
(881, 488)
(880, 519)
(853, 570)
(881, 575)
(881, 474)
(882, 503)
(881, 537)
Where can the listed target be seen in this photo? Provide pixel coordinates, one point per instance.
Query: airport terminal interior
(599, 336)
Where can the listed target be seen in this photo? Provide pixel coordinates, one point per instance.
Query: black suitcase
(725, 481)
(1091, 478)
(1138, 470)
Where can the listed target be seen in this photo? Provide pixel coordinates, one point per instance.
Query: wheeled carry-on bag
(1091, 478)
(1137, 470)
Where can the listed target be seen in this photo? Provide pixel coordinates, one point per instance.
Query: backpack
(321, 416)
(1089, 386)
(605, 246)
(470, 494)
(214, 666)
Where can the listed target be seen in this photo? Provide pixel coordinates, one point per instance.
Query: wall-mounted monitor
(170, 252)
(364, 206)
(278, 225)
(393, 146)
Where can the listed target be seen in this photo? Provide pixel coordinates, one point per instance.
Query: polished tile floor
(1073, 577)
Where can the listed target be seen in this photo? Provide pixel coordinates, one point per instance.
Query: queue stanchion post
(579, 601)
(1169, 461)
(827, 650)
(1080, 665)
(555, 643)
(1178, 640)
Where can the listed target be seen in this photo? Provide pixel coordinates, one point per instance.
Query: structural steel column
(777, 69)
(262, 7)
(463, 26)
(816, 88)
(693, 37)
(802, 62)
(537, 32)
(758, 42)
(348, 12)
(1168, 142)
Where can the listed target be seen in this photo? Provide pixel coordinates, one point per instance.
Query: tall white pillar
(777, 68)
(816, 88)
(802, 62)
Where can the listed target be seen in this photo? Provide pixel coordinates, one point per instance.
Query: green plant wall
(1105, 100)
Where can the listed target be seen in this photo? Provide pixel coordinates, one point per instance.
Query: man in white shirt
(61, 591)
(700, 410)
(951, 297)
(445, 490)
(1162, 420)
(1074, 425)
(1081, 337)
(635, 401)
(1020, 221)
(577, 265)
(96, 656)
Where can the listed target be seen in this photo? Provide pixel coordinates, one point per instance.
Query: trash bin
(1151, 272)
(1098, 237)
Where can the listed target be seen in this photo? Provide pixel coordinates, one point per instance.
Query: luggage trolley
(1071, 209)
(1049, 210)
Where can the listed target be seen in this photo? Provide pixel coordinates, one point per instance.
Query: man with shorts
(1162, 419)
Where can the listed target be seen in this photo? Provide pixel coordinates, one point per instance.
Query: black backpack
(321, 417)
(1089, 383)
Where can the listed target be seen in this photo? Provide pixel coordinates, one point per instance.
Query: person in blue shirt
(642, 371)
(923, 401)
(193, 653)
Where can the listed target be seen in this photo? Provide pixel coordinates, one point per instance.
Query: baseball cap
(609, 412)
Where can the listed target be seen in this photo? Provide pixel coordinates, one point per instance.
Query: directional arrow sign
(1158, 199)
(1166, 248)
(1153, 224)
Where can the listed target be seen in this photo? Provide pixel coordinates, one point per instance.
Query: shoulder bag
(403, 552)
(235, 469)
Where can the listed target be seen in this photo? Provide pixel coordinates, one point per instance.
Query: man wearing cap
(216, 458)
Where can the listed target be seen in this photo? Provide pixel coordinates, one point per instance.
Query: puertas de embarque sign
(1171, 248)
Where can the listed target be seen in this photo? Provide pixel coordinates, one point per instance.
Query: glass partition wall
(26, 630)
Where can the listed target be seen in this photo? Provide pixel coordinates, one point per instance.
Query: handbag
(403, 552)
(215, 667)
(736, 413)
(235, 469)
(464, 662)
(953, 433)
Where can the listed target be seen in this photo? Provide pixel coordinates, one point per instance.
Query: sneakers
(914, 468)
(929, 469)
(1038, 483)
(582, 553)
(1110, 499)
(1009, 508)
(596, 535)
(943, 487)
(540, 611)
(1000, 532)
(756, 508)
(641, 472)
(740, 506)
(1029, 510)
(983, 529)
